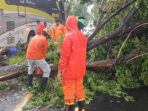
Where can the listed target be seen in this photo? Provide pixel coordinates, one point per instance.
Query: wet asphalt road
(102, 102)
(10, 99)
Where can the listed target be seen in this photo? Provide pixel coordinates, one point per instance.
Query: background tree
(74, 7)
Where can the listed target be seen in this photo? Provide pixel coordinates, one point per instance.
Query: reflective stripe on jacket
(37, 48)
(73, 54)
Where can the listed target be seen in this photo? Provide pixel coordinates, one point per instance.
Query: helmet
(47, 31)
(82, 22)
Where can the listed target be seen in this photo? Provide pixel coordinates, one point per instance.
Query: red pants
(72, 88)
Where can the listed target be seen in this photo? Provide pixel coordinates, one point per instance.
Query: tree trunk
(8, 72)
(105, 66)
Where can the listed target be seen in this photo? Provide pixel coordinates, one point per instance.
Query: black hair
(58, 20)
(38, 21)
(45, 23)
(80, 25)
(45, 34)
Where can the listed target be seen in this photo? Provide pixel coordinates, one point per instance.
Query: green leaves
(76, 8)
(125, 77)
(137, 3)
(100, 83)
(5, 86)
(52, 54)
(144, 74)
(129, 98)
(18, 58)
(52, 97)
(89, 95)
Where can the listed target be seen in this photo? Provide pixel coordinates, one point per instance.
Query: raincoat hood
(71, 23)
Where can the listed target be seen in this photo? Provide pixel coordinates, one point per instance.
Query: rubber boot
(29, 80)
(81, 105)
(69, 107)
(43, 84)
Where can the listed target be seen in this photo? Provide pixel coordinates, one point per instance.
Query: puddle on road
(104, 102)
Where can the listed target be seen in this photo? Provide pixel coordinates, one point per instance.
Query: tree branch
(101, 13)
(136, 57)
(106, 65)
(133, 10)
(113, 35)
(129, 36)
(99, 27)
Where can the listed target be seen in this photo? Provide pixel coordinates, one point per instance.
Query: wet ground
(10, 99)
(10, 94)
(102, 102)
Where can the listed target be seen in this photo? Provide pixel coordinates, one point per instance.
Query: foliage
(17, 58)
(101, 83)
(52, 97)
(5, 86)
(125, 77)
(129, 75)
(89, 95)
(129, 98)
(93, 83)
(74, 7)
(144, 74)
(52, 53)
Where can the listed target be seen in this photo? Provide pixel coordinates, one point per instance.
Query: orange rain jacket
(37, 48)
(73, 54)
(41, 26)
(57, 32)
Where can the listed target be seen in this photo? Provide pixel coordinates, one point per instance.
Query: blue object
(13, 50)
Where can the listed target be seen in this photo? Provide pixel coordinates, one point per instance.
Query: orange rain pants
(72, 88)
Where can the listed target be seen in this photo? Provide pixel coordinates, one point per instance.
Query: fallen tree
(7, 72)
(125, 27)
(105, 15)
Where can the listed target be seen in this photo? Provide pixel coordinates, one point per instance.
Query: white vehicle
(18, 18)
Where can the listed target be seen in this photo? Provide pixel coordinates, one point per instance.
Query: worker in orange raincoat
(36, 53)
(58, 33)
(40, 27)
(72, 65)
